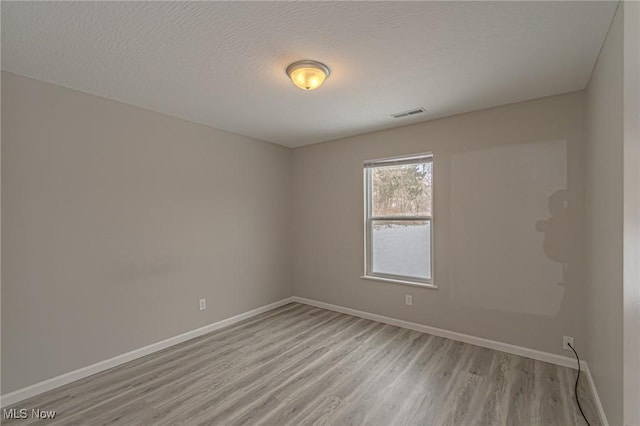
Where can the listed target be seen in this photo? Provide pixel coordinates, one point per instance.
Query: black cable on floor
(576, 388)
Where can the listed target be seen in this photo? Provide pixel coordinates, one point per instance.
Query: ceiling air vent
(408, 113)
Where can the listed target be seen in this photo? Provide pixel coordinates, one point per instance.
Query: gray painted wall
(631, 213)
(508, 254)
(603, 220)
(116, 220)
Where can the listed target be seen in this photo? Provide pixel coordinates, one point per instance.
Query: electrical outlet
(408, 299)
(566, 340)
(203, 304)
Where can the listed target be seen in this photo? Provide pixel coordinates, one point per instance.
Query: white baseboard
(466, 338)
(453, 335)
(596, 397)
(72, 376)
(28, 392)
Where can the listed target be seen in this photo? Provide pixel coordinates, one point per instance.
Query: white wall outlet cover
(203, 304)
(566, 340)
(408, 299)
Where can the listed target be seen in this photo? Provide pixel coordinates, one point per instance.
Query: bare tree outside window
(404, 190)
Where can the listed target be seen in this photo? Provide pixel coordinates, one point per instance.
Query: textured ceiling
(223, 63)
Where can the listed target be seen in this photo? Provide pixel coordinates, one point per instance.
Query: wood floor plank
(301, 365)
(156, 373)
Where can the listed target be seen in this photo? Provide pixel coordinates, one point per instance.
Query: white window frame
(368, 220)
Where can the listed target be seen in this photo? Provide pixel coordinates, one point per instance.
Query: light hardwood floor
(300, 365)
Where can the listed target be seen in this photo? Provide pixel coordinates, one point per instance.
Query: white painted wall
(508, 254)
(604, 222)
(116, 220)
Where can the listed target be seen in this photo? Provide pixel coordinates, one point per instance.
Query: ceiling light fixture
(307, 75)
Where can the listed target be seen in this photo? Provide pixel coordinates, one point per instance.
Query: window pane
(401, 248)
(402, 190)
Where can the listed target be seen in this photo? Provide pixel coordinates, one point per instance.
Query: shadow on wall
(504, 257)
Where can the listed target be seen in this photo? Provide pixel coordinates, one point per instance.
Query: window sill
(391, 280)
